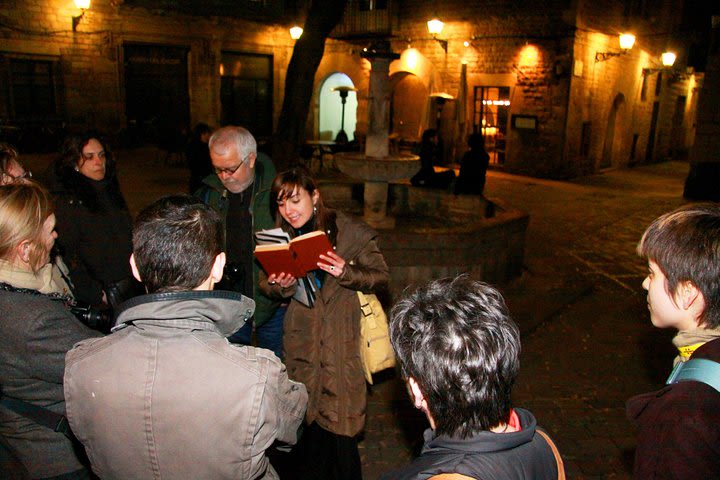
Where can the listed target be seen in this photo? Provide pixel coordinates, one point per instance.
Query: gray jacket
(35, 334)
(166, 396)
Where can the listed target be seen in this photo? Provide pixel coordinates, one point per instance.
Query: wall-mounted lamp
(82, 5)
(296, 32)
(667, 59)
(627, 40)
(435, 28)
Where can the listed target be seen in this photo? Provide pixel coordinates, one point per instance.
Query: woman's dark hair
(476, 141)
(75, 183)
(283, 186)
(428, 134)
(200, 129)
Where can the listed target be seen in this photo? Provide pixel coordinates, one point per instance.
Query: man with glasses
(240, 191)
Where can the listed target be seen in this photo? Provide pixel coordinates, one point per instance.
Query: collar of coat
(219, 310)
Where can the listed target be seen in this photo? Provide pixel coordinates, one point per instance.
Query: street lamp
(435, 27)
(82, 5)
(626, 40)
(296, 32)
(343, 90)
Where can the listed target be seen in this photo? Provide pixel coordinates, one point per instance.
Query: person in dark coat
(678, 435)
(36, 330)
(93, 221)
(197, 155)
(427, 176)
(458, 351)
(473, 167)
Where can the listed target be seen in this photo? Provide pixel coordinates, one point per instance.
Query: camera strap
(40, 415)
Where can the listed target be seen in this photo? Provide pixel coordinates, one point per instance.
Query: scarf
(49, 279)
(687, 341)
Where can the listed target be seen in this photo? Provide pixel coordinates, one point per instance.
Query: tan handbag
(375, 349)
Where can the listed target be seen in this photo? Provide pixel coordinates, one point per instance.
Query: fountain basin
(377, 169)
(376, 172)
(438, 234)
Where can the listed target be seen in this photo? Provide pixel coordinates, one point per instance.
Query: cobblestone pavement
(588, 344)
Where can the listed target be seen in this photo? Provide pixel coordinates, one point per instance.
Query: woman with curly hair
(93, 221)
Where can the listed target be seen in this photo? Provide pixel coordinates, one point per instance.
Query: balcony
(366, 19)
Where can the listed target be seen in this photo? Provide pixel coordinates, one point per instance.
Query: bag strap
(451, 476)
(40, 415)
(698, 369)
(556, 453)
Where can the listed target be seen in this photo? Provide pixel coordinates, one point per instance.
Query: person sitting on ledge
(473, 167)
(458, 351)
(427, 176)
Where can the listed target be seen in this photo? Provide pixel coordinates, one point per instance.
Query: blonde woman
(36, 330)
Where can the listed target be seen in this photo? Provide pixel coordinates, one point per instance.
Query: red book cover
(297, 257)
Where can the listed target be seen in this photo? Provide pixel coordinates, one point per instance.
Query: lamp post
(343, 90)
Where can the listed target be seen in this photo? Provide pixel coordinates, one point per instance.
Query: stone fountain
(436, 233)
(376, 166)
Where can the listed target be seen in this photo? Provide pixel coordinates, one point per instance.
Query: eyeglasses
(231, 170)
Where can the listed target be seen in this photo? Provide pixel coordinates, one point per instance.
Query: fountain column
(376, 167)
(377, 143)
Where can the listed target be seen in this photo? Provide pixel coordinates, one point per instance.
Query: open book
(306, 288)
(296, 257)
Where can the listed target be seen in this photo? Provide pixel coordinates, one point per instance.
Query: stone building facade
(524, 74)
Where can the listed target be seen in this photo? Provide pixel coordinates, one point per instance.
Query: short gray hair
(226, 136)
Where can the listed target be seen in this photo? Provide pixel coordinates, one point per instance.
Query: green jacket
(213, 193)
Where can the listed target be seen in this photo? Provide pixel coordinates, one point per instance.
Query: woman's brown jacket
(322, 343)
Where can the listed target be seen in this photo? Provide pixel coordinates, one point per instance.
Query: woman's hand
(285, 280)
(335, 264)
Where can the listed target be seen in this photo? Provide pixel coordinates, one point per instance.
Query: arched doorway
(408, 105)
(613, 133)
(330, 108)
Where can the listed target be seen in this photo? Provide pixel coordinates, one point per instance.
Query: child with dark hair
(678, 434)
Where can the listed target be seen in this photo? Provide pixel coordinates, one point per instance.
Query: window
(28, 87)
(246, 91)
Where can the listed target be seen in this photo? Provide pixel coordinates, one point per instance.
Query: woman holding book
(322, 342)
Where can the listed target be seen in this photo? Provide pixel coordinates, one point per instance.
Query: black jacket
(94, 233)
(487, 456)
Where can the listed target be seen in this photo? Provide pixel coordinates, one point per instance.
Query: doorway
(491, 106)
(613, 133)
(331, 110)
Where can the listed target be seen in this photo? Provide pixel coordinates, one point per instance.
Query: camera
(92, 317)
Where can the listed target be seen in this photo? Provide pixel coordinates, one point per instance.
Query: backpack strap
(556, 453)
(698, 369)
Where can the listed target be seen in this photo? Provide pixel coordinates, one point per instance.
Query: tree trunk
(309, 48)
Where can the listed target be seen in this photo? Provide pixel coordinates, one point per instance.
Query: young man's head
(458, 349)
(683, 252)
(177, 245)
